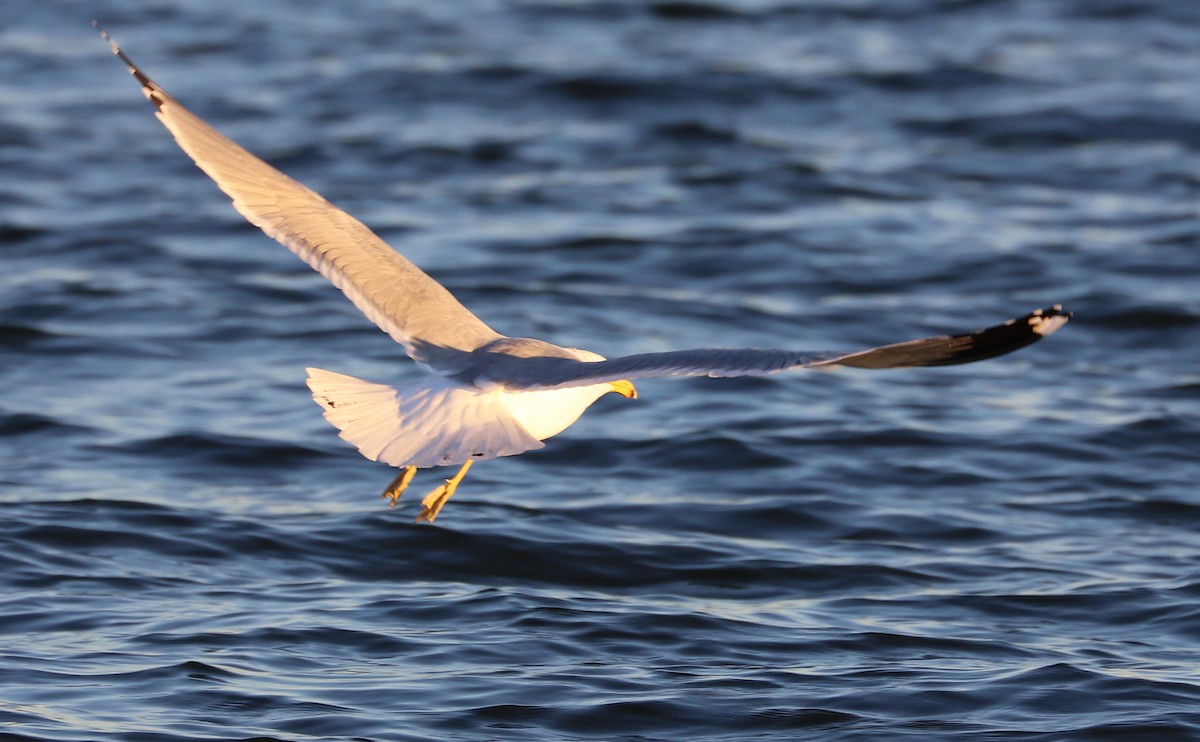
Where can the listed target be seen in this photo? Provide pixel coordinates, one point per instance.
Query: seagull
(490, 395)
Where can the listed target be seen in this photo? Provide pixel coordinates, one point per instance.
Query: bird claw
(436, 500)
(432, 503)
(398, 485)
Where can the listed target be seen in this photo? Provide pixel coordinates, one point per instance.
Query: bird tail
(437, 424)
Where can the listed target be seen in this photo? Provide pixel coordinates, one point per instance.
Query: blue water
(1007, 550)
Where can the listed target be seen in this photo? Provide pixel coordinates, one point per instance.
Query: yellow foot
(436, 500)
(398, 485)
(433, 503)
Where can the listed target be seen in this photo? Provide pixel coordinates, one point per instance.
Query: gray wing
(416, 311)
(943, 350)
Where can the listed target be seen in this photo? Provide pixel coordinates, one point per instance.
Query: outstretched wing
(416, 311)
(943, 350)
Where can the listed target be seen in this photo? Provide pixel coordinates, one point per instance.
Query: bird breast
(547, 413)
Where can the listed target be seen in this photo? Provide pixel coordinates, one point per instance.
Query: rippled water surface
(1006, 550)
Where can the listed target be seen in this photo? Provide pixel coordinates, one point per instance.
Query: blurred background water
(1006, 550)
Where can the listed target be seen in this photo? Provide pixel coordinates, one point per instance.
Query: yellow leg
(436, 500)
(399, 484)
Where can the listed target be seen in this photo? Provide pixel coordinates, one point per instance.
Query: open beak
(624, 388)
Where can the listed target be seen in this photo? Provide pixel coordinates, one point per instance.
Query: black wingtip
(148, 86)
(951, 350)
(1005, 338)
(1044, 322)
(112, 44)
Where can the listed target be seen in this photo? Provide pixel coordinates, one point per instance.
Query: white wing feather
(416, 311)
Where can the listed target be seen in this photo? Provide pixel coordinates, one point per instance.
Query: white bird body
(490, 395)
(443, 422)
(547, 413)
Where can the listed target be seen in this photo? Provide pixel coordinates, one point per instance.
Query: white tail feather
(437, 424)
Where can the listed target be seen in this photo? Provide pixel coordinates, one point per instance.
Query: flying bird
(490, 395)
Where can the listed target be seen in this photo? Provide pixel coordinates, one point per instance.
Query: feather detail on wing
(416, 311)
(942, 350)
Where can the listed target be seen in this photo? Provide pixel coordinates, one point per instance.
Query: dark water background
(1008, 550)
